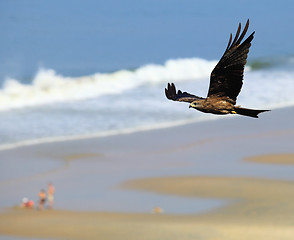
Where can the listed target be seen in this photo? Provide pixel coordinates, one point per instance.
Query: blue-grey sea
(77, 68)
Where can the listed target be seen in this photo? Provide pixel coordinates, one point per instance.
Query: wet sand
(287, 159)
(258, 209)
(210, 160)
(251, 200)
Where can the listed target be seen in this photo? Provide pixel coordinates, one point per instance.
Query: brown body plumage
(226, 81)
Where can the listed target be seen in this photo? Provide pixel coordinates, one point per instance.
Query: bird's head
(193, 104)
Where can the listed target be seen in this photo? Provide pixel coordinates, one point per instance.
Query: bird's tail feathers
(249, 112)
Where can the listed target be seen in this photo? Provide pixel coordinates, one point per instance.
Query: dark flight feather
(226, 78)
(172, 94)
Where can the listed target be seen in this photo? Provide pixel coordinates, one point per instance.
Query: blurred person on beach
(157, 210)
(50, 192)
(42, 199)
(26, 203)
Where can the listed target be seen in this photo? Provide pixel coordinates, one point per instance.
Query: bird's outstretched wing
(172, 94)
(226, 79)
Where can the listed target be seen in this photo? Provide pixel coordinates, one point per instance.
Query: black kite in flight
(226, 81)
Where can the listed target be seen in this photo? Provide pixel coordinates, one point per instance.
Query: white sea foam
(268, 89)
(49, 87)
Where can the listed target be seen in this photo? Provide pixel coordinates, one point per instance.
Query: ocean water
(53, 106)
(101, 67)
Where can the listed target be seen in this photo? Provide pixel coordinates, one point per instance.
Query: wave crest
(49, 87)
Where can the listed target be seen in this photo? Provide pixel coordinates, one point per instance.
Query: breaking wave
(49, 87)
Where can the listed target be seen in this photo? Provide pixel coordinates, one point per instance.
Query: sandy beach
(107, 187)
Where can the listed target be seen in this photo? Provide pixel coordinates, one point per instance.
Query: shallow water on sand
(88, 173)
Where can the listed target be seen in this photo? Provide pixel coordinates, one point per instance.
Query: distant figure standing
(51, 191)
(42, 199)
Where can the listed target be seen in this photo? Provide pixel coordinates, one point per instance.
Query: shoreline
(152, 127)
